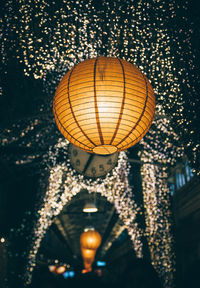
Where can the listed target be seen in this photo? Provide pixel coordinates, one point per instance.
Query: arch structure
(64, 183)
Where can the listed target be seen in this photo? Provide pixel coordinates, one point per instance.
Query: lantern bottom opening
(104, 149)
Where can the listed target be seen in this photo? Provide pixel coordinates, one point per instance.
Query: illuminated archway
(64, 183)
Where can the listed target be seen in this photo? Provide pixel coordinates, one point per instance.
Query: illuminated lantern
(90, 239)
(88, 255)
(104, 105)
(87, 266)
(60, 269)
(52, 268)
(84, 271)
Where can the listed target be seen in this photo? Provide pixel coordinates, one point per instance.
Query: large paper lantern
(104, 105)
(90, 239)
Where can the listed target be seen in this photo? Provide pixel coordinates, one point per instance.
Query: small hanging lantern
(60, 269)
(104, 105)
(88, 255)
(87, 266)
(90, 239)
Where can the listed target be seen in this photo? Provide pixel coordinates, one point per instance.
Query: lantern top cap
(89, 228)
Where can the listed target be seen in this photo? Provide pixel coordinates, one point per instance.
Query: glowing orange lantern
(61, 269)
(87, 266)
(88, 255)
(90, 239)
(104, 105)
(84, 271)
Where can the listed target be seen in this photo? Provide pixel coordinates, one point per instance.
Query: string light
(158, 218)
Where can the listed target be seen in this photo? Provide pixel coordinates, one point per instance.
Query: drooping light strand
(64, 184)
(157, 202)
(158, 217)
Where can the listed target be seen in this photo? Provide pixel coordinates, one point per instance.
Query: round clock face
(91, 165)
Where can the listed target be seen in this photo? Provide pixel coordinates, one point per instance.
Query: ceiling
(71, 222)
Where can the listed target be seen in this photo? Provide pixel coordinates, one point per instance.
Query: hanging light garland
(159, 221)
(64, 183)
(157, 203)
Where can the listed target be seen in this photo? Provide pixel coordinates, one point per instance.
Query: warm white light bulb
(90, 208)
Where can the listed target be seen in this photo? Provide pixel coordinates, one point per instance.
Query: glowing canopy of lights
(46, 40)
(104, 105)
(64, 183)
